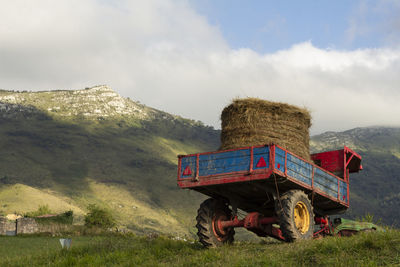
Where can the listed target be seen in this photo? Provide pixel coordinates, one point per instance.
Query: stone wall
(27, 226)
(7, 227)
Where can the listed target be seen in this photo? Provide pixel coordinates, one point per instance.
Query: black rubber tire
(286, 215)
(209, 210)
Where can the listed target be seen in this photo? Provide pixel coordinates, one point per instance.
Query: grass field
(366, 249)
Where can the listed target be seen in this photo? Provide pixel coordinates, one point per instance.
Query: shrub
(42, 210)
(99, 217)
(368, 217)
(63, 218)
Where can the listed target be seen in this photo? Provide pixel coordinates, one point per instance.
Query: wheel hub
(217, 228)
(301, 217)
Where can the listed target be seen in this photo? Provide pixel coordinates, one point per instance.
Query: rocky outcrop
(91, 103)
(96, 103)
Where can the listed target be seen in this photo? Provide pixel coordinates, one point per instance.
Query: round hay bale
(253, 121)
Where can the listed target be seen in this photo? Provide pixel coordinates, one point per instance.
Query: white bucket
(65, 242)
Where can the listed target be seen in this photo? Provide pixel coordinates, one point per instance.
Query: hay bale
(253, 121)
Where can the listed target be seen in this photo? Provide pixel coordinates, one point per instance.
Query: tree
(99, 217)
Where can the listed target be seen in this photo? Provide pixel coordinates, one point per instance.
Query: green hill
(71, 148)
(68, 149)
(376, 188)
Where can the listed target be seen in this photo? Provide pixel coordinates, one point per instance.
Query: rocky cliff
(96, 102)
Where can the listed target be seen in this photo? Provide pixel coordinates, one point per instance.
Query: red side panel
(340, 162)
(332, 161)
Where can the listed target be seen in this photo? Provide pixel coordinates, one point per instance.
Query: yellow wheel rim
(301, 217)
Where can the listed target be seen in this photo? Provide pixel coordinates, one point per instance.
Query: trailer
(285, 196)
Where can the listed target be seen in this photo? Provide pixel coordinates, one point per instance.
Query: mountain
(71, 148)
(376, 189)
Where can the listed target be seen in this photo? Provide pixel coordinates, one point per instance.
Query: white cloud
(165, 55)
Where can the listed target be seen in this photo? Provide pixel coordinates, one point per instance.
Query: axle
(262, 226)
(247, 223)
(254, 222)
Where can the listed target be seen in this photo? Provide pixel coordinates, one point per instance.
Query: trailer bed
(250, 176)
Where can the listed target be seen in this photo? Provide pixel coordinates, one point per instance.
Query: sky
(340, 59)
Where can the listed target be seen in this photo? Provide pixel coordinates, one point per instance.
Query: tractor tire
(210, 211)
(296, 216)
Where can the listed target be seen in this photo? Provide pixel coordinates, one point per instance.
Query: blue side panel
(326, 182)
(299, 169)
(191, 162)
(343, 191)
(224, 162)
(280, 159)
(258, 153)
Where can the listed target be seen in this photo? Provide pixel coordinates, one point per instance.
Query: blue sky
(340, 59)
(267, 26)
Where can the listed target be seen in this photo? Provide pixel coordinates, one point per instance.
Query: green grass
(366, 249)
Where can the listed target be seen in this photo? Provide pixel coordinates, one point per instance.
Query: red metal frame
(263, 226)
(325, 227)
(252, 220)
(255, 222)
(336, 161)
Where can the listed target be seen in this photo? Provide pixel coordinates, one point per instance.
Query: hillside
(376, 188)
(71, 148)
